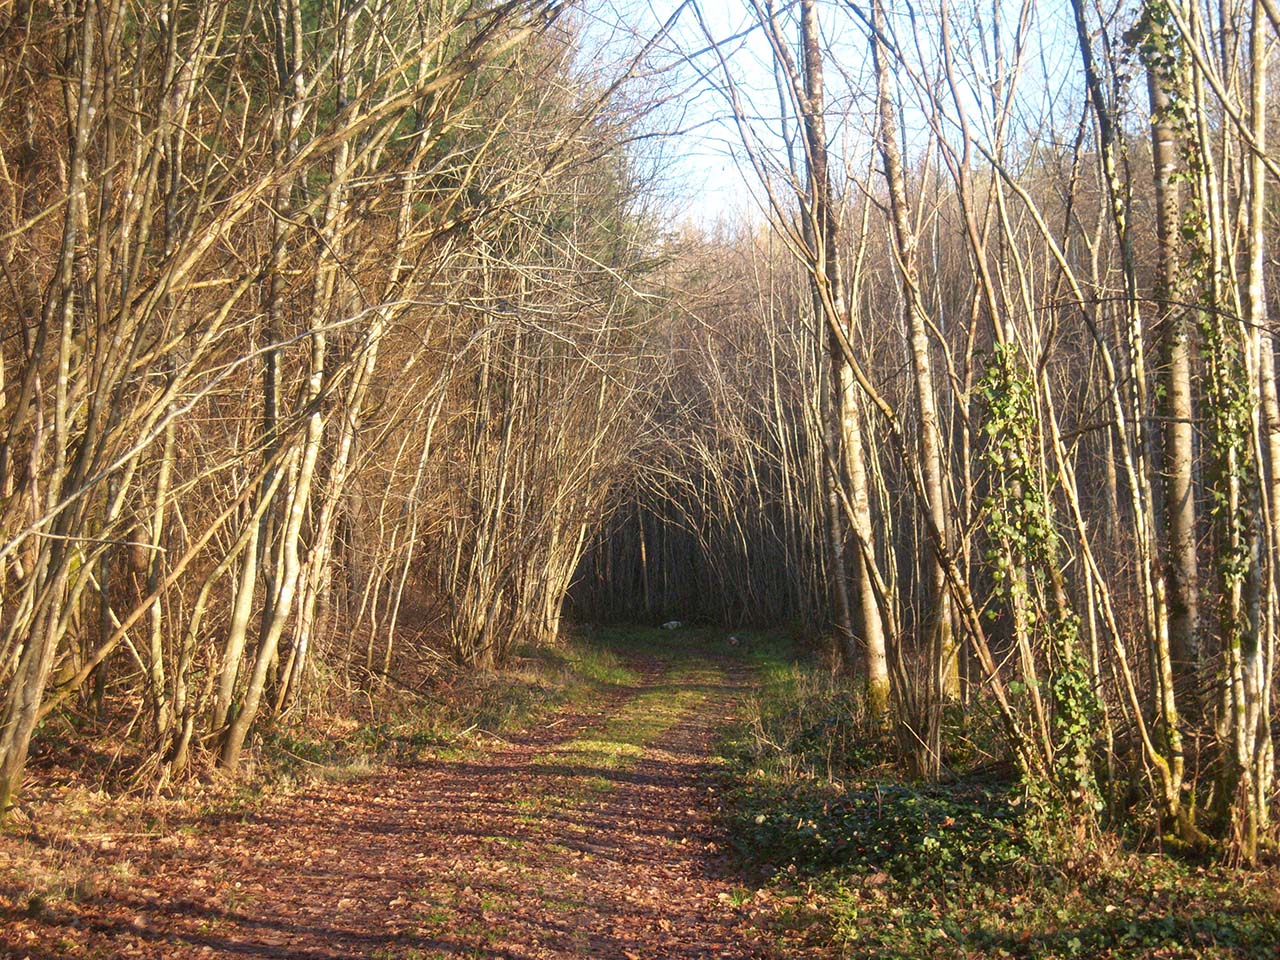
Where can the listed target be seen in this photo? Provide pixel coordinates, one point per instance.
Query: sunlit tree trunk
(1169, 759)
(1173, 306)
(26, 683)
(1253, 661)
(298, 499)
(945, 648)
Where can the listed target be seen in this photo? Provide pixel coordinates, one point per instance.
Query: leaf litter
(543, 844)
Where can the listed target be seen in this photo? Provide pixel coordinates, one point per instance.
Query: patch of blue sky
(1015, 67)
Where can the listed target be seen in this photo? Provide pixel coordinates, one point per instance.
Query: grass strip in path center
(591, 763)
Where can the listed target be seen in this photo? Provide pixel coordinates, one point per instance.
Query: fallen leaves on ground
(502, 852)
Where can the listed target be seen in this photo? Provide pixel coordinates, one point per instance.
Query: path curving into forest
(592, 835)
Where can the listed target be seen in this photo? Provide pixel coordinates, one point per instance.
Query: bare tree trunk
(1173, 306)
(1169, 759)
(26, 686)
(161, 709)
(870, 621)
(1251, 728)
(946, 650)
(281, 604)
(821, 231)
(839, 570)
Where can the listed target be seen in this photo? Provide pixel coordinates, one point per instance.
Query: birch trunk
(946, 651)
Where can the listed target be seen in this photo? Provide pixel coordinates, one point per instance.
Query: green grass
(686, 644)
(600, 666)
(588, 765)
(618, 743)
(884, 867)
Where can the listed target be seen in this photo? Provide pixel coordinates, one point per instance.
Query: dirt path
(590, 837)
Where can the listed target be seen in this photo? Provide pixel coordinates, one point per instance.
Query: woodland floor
(592, 833)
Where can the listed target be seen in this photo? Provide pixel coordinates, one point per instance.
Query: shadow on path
(516, 852)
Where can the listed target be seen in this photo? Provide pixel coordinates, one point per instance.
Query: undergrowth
(450, 715)
(885, 867)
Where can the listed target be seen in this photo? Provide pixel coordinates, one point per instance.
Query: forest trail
(590, 835)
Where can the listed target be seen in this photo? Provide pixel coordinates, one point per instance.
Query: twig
(298, 758)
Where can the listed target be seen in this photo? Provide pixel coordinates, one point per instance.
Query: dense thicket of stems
(295, 294)
(1068, 365)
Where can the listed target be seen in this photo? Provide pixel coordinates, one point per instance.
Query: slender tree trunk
(161, 708)
(1253, 749)
(946, 651)
(870, 621)
(1173, 329)
(26, 687)
(1137, 450)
